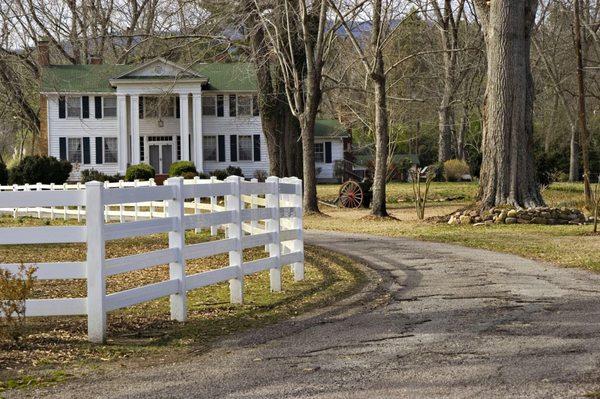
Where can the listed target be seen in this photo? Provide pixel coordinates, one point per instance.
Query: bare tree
(302, 81)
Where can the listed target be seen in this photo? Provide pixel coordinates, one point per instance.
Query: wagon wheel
(351, 195)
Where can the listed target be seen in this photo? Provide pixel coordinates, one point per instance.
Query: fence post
(121, 206)
(96, 282)
(65, 208)
(175, 208)
(233, 203)
(79, 206)
(151, 183)
(38, 187)
(197, 203)
(52, 188)
(274, 227)
(136, 206)
(298, 244)
(16, 210)
(213, 204)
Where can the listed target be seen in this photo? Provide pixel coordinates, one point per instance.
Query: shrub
(14, 291)
(88, 175)
(455, 169)
(261, 175)
(220, 174)
(203, 175)
(3, 174)
(189, 175)
(182, 167)
(234, 171)
(40, 169)
(141, 171)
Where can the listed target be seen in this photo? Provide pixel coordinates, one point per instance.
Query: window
(167, 107)
(244, 105)
(209, 106)
(210, 148)
(319, 152)
(74, 150)
(109, 107)
(220, 105)
(150, 107)
(245, 148)
(73, 107)
(110, 150)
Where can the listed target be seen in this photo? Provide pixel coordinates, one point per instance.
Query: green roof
(228, 76)
(80, 78)
(329, 128)
(95, 78)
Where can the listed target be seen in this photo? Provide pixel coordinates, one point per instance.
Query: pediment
(160, 68)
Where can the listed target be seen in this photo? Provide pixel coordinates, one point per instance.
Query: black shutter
(233, 148)
(62, 143)
(232, 105)
(328, 152)
(257, 148)
(178, 107)
(86, 151)
(99, 149)
(220, 109)
(221, 148)
(98, 107)
(62, 109)
(85, 107)
(254, 105)
(141, 107)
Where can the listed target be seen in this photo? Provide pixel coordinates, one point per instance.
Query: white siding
(240, 125)
(77, 127)
(325, 170)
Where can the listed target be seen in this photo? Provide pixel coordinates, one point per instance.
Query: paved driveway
(441, 321)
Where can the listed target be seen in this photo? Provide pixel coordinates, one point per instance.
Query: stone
(488, 222)
(465, 219)
(502, 216)
(551, 221)
(510, 220)
(479, 224)
(512, 213)
(539, 220)
(453, 220)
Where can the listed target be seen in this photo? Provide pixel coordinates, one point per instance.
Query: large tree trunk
(574, 158)
(446, 113)
(307, 126)
(582, 115)
(507, 172)
(382, 141)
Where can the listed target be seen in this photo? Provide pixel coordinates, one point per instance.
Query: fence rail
(253, 214)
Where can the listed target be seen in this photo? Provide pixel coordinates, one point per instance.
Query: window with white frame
(244, 105)
(109, 107)
(73, 107)
(167, 107)
(111, 150)
(245, 148)
(74, 150)
(319, 152)
(209, 105)
(150, 107)
(210, 149)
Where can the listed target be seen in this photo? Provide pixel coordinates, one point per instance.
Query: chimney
(43, 49)
(95, 60)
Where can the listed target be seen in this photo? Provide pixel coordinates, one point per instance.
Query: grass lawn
(56, 348)
(572, 246)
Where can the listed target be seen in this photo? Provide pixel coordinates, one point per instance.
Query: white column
(135, 129)
(184, 126)
(122, 129)
(197, 123)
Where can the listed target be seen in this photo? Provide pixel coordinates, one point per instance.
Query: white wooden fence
(254, 214)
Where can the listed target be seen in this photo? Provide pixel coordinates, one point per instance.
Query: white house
(106, 117)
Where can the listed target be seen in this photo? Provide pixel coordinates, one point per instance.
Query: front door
(161, 157)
